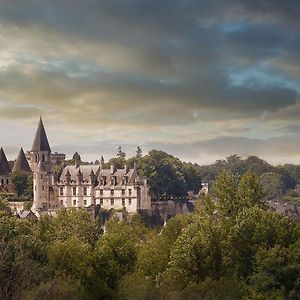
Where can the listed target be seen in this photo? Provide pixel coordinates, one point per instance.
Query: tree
(120, 153)
(250, 192)
(139, 152)
(24, 184)
(254, 229)
(273, 185)
(164, 174)
(225, 189)
(76, 157)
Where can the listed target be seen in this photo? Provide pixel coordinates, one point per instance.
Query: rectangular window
(43, 188)
(112, 192)
(74, 202)
(61, 191)
(84, 191)
(112, 201)
(123, 202)
(123, 192)
(84, 202)
(129, 191)
(101, 201)
(129, 201)
(61, 202)
(74, 191)
(101, 192)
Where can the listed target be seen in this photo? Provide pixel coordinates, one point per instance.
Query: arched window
(2, 181)
(7, 181)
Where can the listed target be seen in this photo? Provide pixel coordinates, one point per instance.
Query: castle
(76, 185)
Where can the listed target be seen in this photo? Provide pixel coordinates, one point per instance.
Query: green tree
(20, 180)
(139, 152)
(120, 152)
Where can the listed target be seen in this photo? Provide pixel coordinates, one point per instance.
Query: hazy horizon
(198, 80)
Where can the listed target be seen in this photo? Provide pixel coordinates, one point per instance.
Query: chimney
(112, 169)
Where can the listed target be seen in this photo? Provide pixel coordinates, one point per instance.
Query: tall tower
(40, 162)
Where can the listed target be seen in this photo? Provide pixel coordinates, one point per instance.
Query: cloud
(142, 71)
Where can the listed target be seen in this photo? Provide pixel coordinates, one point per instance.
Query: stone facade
(83, 185)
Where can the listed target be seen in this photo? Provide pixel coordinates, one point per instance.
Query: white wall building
(83, 185)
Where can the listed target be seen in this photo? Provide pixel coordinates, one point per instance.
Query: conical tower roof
(40, 142)
(21, 164)
(4, 166)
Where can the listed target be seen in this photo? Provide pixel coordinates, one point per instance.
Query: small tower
(5, 171)
(40, 149)
(40, 162)
(41, 197)
(21, 163)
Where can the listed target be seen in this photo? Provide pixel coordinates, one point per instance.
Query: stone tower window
(112, 201)
(84, 191)
(74, 202)
(74, 191)
(61, 191)
(2, 181)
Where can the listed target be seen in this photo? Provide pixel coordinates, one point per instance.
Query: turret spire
(21, 164)
(40, 142)
(4, 166)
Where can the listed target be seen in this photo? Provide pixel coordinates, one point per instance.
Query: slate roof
(86, 170)
(40, 142)
(4, 165)
(21, 164)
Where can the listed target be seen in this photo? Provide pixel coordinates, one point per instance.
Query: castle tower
(21, 163)
(5, 171)
(40, 149)
(40, 162)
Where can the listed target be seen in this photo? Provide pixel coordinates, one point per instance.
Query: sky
(198, 79)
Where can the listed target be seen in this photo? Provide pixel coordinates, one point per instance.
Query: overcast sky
(198, 79)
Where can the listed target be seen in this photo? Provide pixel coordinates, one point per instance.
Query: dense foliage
(230, 249)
